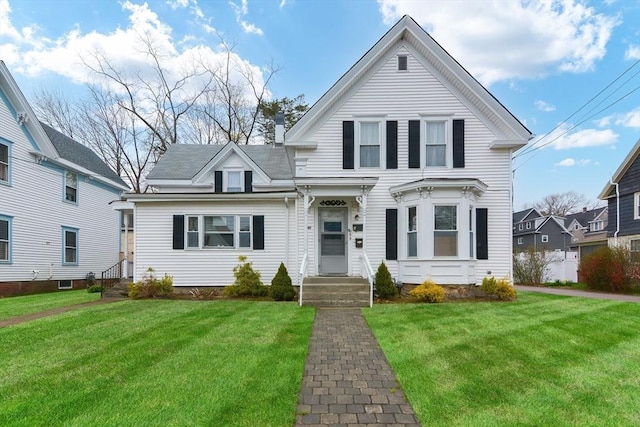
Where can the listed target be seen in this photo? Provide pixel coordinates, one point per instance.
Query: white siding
(405, 96)
(35, 201)
(213, 267)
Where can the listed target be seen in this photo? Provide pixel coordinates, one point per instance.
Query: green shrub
(385, 288)
(428, 291)
(281, 288)
(531, 267)
(489, 285)
(151, 287)
(94, 289)
(247, 283)
(612, 269)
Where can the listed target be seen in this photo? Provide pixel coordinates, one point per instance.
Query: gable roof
(185, 161)
(513, 134)
(608, 190)
(79, 154)
(522, 215)
(585, 217)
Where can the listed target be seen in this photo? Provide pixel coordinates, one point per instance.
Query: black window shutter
(178, 232)
(414, 143)
(217, 182)
(482, 236)
(248, 181)
(458, 143)
(392, 234)
(347, 144)
(392, 144)
(258, 232)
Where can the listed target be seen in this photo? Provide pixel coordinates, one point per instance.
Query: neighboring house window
(596, 226)
(545, 238)
(369, 143)
(520, 240)
(5, 239)
(4, 163)
(636, 204)
(445, 234)
(227, 231)
(234, 181)
(412, 231)
(402, 63)
(576, 227)
(69, 246)
(436, 143)
(193, 233)
(528, 225)
(70, 187)
(520, 227)
(634, 245)
(65, 284)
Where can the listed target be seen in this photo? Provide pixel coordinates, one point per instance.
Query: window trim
(528, 225)
(410, 231)
(544, 238)
(226, 180)
(631, 245)
(520, 227)
(5, 143)
(236, 232)
(455, 231)
(636, 205)
(66, 173)
(381, 142)
(65, 288)
(399, 65)
(76, 231)
(520, 240)
(9, 241)
(187, 230)
(448, 141)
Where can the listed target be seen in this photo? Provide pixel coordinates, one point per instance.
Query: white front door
(333, 240)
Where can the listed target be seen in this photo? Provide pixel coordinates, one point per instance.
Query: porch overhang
(335, 186)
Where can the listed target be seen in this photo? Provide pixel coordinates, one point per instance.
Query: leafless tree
(561, 204)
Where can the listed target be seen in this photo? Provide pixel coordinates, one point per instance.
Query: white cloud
(502, 40)
(568, 162)
(633, 52)
(175, 4)
(241, 11)
(283, 3)
(562, 139)
(630, 119)
(543, 106)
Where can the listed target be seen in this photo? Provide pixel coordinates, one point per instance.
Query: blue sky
(569, 70)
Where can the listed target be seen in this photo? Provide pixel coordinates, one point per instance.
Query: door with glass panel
(333, 240)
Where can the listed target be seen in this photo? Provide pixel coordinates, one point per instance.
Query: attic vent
(402, 62)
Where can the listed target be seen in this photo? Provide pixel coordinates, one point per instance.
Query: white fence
(563, 266)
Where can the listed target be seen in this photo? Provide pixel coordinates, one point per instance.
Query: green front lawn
(542, 360)
(18, 306)
(156, 362)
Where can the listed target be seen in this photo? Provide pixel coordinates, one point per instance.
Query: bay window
(412, 232)
(445, 234)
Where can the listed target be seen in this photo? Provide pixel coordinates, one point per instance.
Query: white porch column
(308, 200)
(125, 271)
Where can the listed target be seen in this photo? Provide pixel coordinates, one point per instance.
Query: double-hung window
(234, 181)
(5, 239)
(636, 205)
(193, 233)
(445, 234)
(226, 231)
(69, 246)
(634, 245)
(70, 187)
(4, 163)
(369, 143)
(436, 143)
(412, 231)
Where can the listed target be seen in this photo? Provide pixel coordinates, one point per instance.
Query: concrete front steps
(118, 291)
(330, 291)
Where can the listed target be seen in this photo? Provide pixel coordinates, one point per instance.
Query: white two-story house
(406, 159)
(56, 222)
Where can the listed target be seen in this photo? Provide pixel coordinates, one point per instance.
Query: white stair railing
(369, 275)
(303, 274)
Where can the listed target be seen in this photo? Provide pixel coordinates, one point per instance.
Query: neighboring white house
(406, 159)
(56, 223)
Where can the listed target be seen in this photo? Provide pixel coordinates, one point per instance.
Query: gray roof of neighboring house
(584, 217)
(521, 215)
(79, 154)
(184, 161)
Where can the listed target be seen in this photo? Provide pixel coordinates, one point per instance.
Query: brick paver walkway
(347, 380)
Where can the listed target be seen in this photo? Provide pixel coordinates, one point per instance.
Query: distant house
(623, 196)
(540, 232)
(56, 224)
(406, 160)
(589, 230)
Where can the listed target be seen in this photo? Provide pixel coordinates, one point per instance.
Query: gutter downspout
(286, 252)
(615, 235)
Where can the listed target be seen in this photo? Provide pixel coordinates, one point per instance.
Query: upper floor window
(4, 163)
(636, 205)
(369, 144)
(445, 234)
(70, 187)
(234, 181)
(528, 225)
(596, 226)
(402, 63)
(436, 143)
(576, 227)
(520, 227)
(5, 239)
(69, 246)
(412, 231)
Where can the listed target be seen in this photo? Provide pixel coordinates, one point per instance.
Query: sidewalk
(575, 293)
(347, 380)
